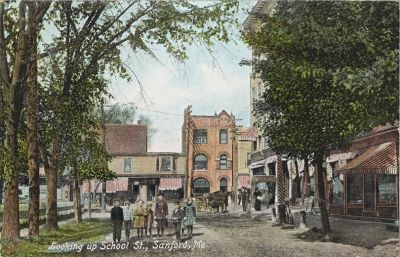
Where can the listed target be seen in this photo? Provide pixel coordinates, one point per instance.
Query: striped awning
(170, 183)
(249, 135)
(376, 159)
(120, 184)
(243, 181)
(95, 187)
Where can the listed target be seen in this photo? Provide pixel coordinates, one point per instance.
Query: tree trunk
(11, 229)
(295, 185)
(13, 97)
(77, 198)
(51, 213)
(305, 181)
(321, 197)
(297, 180)
(32, 127)
(103, 197)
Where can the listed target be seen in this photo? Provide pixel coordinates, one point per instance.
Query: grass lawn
(81, 233)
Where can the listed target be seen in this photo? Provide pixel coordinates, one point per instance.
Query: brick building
(209, 144)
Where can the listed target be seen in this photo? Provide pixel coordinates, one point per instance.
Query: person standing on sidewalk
(117, 218)
(149, 218)
(257, 199)
(245, 196)
(190, 213)
(127, 220)
(239, 196)
(177, 216)
(161, 214)
(139, 214)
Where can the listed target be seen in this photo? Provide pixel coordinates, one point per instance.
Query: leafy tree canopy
(332, 69)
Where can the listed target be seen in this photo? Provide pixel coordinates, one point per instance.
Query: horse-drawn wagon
(213, 201)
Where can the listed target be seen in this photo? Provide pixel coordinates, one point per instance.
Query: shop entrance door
(369, 195)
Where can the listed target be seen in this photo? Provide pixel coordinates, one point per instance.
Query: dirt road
(229, 235)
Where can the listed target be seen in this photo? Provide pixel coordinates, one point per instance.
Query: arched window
(223, 162)
(200, 162)
(223, 185)
(201, 186)
(223, 136)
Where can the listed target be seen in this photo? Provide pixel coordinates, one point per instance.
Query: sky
(210, 83)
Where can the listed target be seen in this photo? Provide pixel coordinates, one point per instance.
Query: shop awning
(95, 187)
(379, 159)
(120, 184)
(264, 178)
(170, 183)
(243, 181)
(249, 135)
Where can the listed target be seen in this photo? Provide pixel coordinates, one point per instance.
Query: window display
(387, 189)
(354, 189)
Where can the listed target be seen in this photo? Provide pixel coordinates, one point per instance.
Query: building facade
(141, 175)
(246, 137)
(268, 171)
(209, 144)
(363, 179)
(144, 176)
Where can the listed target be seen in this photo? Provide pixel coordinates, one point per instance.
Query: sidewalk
(367, 234)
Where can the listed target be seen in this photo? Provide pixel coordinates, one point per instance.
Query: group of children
(144, 218)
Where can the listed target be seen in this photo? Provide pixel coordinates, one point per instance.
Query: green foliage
(332, 69)
(81, 46)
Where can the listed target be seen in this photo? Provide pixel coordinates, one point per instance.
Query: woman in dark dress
(257, 200)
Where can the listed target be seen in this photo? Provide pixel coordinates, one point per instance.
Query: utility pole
(235, 167)
(187, 113)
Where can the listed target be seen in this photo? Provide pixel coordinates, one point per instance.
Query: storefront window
(354, 189)
(387, 189)
(337, 192)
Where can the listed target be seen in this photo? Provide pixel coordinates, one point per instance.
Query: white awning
(341, 156)
(271, 159)
(257, 164)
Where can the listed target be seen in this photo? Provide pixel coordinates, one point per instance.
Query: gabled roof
(125, 139)
(222, 113)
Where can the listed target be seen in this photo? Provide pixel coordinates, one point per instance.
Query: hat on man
(177, 202)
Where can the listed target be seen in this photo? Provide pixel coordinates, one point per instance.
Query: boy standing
(117, 220)
(177, 216)
(127, 220)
